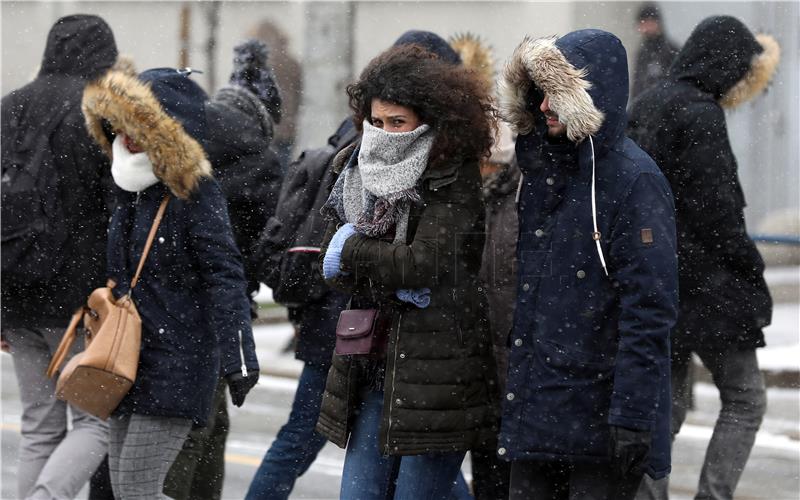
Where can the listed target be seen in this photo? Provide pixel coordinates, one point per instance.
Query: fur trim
(756, 80)
(125, 65)
(540, 61)
(475, 55)
(130, 107)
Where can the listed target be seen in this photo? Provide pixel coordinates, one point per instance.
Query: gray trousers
(141, 450)
(54, 462)
(744, 402)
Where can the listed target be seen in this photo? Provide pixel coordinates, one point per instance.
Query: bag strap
(150, 237)
(66, 342)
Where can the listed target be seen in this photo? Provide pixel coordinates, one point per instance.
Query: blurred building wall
(765, 133)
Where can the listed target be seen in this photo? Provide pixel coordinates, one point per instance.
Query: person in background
(192, 293)
(656, 51)
(405, 238)
(289, 78)
(586, 407)
(725, 302)
(56, 459)
(240, 119)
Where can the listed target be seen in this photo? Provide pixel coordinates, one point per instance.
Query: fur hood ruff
(762, 69)
(540, 61)
(130, 107)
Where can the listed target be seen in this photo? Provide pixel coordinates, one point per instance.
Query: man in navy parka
(586, 411)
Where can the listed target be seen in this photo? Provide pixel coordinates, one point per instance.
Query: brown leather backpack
(97, 379)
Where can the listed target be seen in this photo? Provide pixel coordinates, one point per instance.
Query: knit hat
(649, 11)
(250, 71)
(181, 98)
(430, 42)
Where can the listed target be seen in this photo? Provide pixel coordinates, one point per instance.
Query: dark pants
(561, 481)
(490, 475)
(297, 444)
(199, 469)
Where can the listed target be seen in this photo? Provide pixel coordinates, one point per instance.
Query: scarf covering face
(131, 171)
(376, 192)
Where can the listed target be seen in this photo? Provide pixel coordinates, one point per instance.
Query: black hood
(79, 45)
(717, 55)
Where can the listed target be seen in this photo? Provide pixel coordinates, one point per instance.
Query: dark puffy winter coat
(439, 383)
(681, 124)
(588, 351)
(238, 145)
(192, 292)
(79, 48)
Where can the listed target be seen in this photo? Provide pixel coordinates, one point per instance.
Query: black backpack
(290, 244)
(34, 225)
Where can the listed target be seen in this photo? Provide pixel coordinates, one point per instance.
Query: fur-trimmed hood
(128, 105)
(722, 57)
(585, 75)
(475, 55)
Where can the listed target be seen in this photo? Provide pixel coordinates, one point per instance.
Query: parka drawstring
(596, 234)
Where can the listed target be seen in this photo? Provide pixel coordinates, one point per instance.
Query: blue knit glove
(421, 297)
(333, 256)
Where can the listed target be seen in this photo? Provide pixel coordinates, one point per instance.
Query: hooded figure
(42, 122)
(725, 302)
(586, 403)
(191, 295)
(240, 118)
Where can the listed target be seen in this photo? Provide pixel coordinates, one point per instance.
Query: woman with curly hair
(405, 238)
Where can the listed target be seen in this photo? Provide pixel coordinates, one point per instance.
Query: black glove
(239, 385)
(629, 449)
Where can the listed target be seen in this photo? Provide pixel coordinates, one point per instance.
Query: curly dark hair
(451, 99)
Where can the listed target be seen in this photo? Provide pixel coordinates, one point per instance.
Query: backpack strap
(149, 243)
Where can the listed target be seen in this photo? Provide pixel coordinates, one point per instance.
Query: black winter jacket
(237, 144)
(681, 124)
(79, 48)
(440, 377)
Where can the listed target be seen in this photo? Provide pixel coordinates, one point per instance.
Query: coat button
(518, 342)
(161, 239)
(402, 355)
(510, 396)
(550, 181)
(539, 233)
(526, 287)
(398, 401)
(501, 451)
(581, 274)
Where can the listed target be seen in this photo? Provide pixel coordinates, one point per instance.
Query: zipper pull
(241, 355)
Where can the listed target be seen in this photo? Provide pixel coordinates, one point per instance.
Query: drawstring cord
(596, 234)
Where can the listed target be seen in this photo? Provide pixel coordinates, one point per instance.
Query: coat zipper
(457, 321)
(241, 355)
(394, 377)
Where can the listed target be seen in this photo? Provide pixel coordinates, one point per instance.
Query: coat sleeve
(217, 258)
(446, 222)
(643, 263)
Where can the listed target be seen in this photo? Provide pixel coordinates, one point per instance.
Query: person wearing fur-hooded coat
(725, 302)
(586, 408)
(191, 295)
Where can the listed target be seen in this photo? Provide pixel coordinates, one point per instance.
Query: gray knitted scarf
(376, 192)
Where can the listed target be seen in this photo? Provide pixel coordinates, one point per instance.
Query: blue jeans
(367, 474)
(297, 443)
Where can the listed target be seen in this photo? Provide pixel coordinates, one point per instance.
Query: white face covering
(131, 171)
